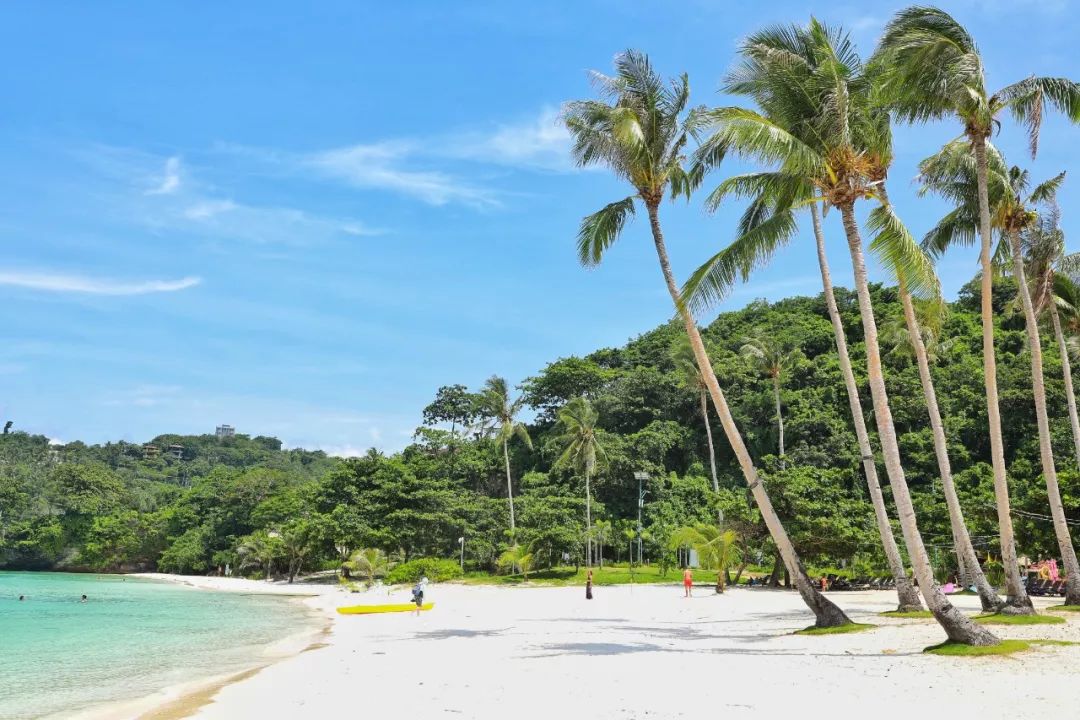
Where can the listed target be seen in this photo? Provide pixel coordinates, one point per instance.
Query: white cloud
(542, 143)
(51, 282)
(344, 451)
(170, 182)
(381, 166)
(206, 209)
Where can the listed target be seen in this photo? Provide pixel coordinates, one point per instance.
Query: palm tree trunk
(588, 521)
(509, 488)
(957, 626)
(708, 436)
(1016, 597)
(1066, 371)
(826, 613)
(965, 552)
(1046, 448)
(907, 595)
(779, 419)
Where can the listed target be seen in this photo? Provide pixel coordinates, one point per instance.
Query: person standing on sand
(688, 581)
(418, 593)
(588, 586)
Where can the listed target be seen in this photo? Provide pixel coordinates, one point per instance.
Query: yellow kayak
(371, 609)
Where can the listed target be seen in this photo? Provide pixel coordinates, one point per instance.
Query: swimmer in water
(83, 599)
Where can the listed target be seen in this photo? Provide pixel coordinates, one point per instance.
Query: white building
(225, 431)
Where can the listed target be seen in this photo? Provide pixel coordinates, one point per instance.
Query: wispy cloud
(434, 169)
(384, 166)
(537, 143)
(145, 396)
(52, 282)
(197, 206)
(170, 181)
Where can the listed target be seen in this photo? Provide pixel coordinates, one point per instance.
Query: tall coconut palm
(932, 70)
(770, 358)
(1048, 272)
(581, 451)
(952, 174)
(640, 130)
(500, 418)
(774, 61)
(840, 150)
(915, 338)
(687, 367)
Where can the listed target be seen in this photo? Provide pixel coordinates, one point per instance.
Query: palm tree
(687, 367)
(516, 559)
(717, 548)
(601, 532)
(952, 174)
(500, 413)
(916, 335)
(932, 70)
(372, 563)
(770, 358)
(774, 61)
(581, 451)
(641, 134)
(844, 140)
(1048, 271)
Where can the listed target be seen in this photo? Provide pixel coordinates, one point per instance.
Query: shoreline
(182, 700)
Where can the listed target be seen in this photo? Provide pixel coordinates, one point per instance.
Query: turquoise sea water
(130, 639)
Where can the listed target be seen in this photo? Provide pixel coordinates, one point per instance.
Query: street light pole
(640, 476)
(461, 542)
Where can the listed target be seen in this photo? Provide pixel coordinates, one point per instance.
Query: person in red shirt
(688, 581)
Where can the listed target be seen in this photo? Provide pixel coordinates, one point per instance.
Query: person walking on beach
(418, 593)
(688, 581)
(588, 586)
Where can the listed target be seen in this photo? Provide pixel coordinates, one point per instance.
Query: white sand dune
(487, 652)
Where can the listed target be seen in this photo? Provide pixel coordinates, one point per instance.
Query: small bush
(435, 569)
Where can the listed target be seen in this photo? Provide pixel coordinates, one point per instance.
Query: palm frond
(600, 230)
(711, 282)
(1027, 100)
(900, 253)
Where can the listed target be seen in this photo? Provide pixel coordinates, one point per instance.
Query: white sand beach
(644, 651)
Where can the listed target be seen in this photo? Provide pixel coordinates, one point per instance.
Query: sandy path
(645, 652)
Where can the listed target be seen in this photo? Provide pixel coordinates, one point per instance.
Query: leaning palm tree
(932, 69)
(640, 131)
(775, 60)
(581, 451)
(770, 358)
(952, 174)
(717, 549)
(917, 335)
(840, 147)
(691, 374)
(1048, 271)
(500, 414)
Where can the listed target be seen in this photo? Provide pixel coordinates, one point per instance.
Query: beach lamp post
(641, 476)
(461, 542)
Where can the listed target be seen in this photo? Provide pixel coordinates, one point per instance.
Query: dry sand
(487, 652)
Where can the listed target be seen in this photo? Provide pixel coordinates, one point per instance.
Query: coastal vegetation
(620, 453)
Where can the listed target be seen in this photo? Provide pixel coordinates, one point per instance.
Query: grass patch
(1053, 642)
(908, 614)
(609, 575)
(997, 619)
(1064, 608)
(955, 649)
(838, 630)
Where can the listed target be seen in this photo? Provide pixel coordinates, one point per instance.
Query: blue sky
(302, 220)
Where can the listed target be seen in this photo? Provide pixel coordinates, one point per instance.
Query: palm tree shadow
(585, 648)
(457, 633)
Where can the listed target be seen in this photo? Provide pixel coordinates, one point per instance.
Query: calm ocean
(130, 639)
